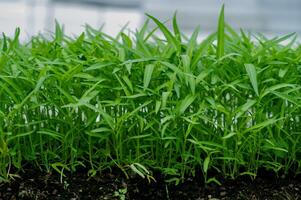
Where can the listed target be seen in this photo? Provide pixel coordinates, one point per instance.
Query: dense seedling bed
(226, 106)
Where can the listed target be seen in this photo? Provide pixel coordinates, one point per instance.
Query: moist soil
(34, 184)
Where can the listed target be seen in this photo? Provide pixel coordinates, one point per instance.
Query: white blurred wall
(266, 16)
(34, 16)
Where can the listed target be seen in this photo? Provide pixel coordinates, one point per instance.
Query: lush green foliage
(230, 103)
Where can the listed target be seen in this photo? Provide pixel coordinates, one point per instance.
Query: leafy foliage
(145, 103)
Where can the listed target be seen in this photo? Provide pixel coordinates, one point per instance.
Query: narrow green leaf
(148, 75)
(98, 66)
(128, 83)
(169, 37)
(176, 28)
(59, 32)
(245, 107)
(165, 96)
(202, 48)
(206, 164)
(277, 87)
(19, 135)
(221, 34)
(15, 42)
(192, 42)
(126, 40)
(4, 43)
(213, 180)
(252, 73)
(51, 133)
(185, 103)
(262, 125)
(135, 169)
(287, 97)
(158, 105)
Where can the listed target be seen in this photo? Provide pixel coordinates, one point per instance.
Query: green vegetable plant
(229, 104)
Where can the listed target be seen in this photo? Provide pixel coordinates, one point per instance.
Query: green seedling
(229, 104)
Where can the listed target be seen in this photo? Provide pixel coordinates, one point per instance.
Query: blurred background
(272, 17)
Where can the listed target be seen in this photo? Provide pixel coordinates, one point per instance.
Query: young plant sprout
(229, 104)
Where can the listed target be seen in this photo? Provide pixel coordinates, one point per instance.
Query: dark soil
(33, 184)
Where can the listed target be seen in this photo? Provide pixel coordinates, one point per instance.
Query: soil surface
(33, 184)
